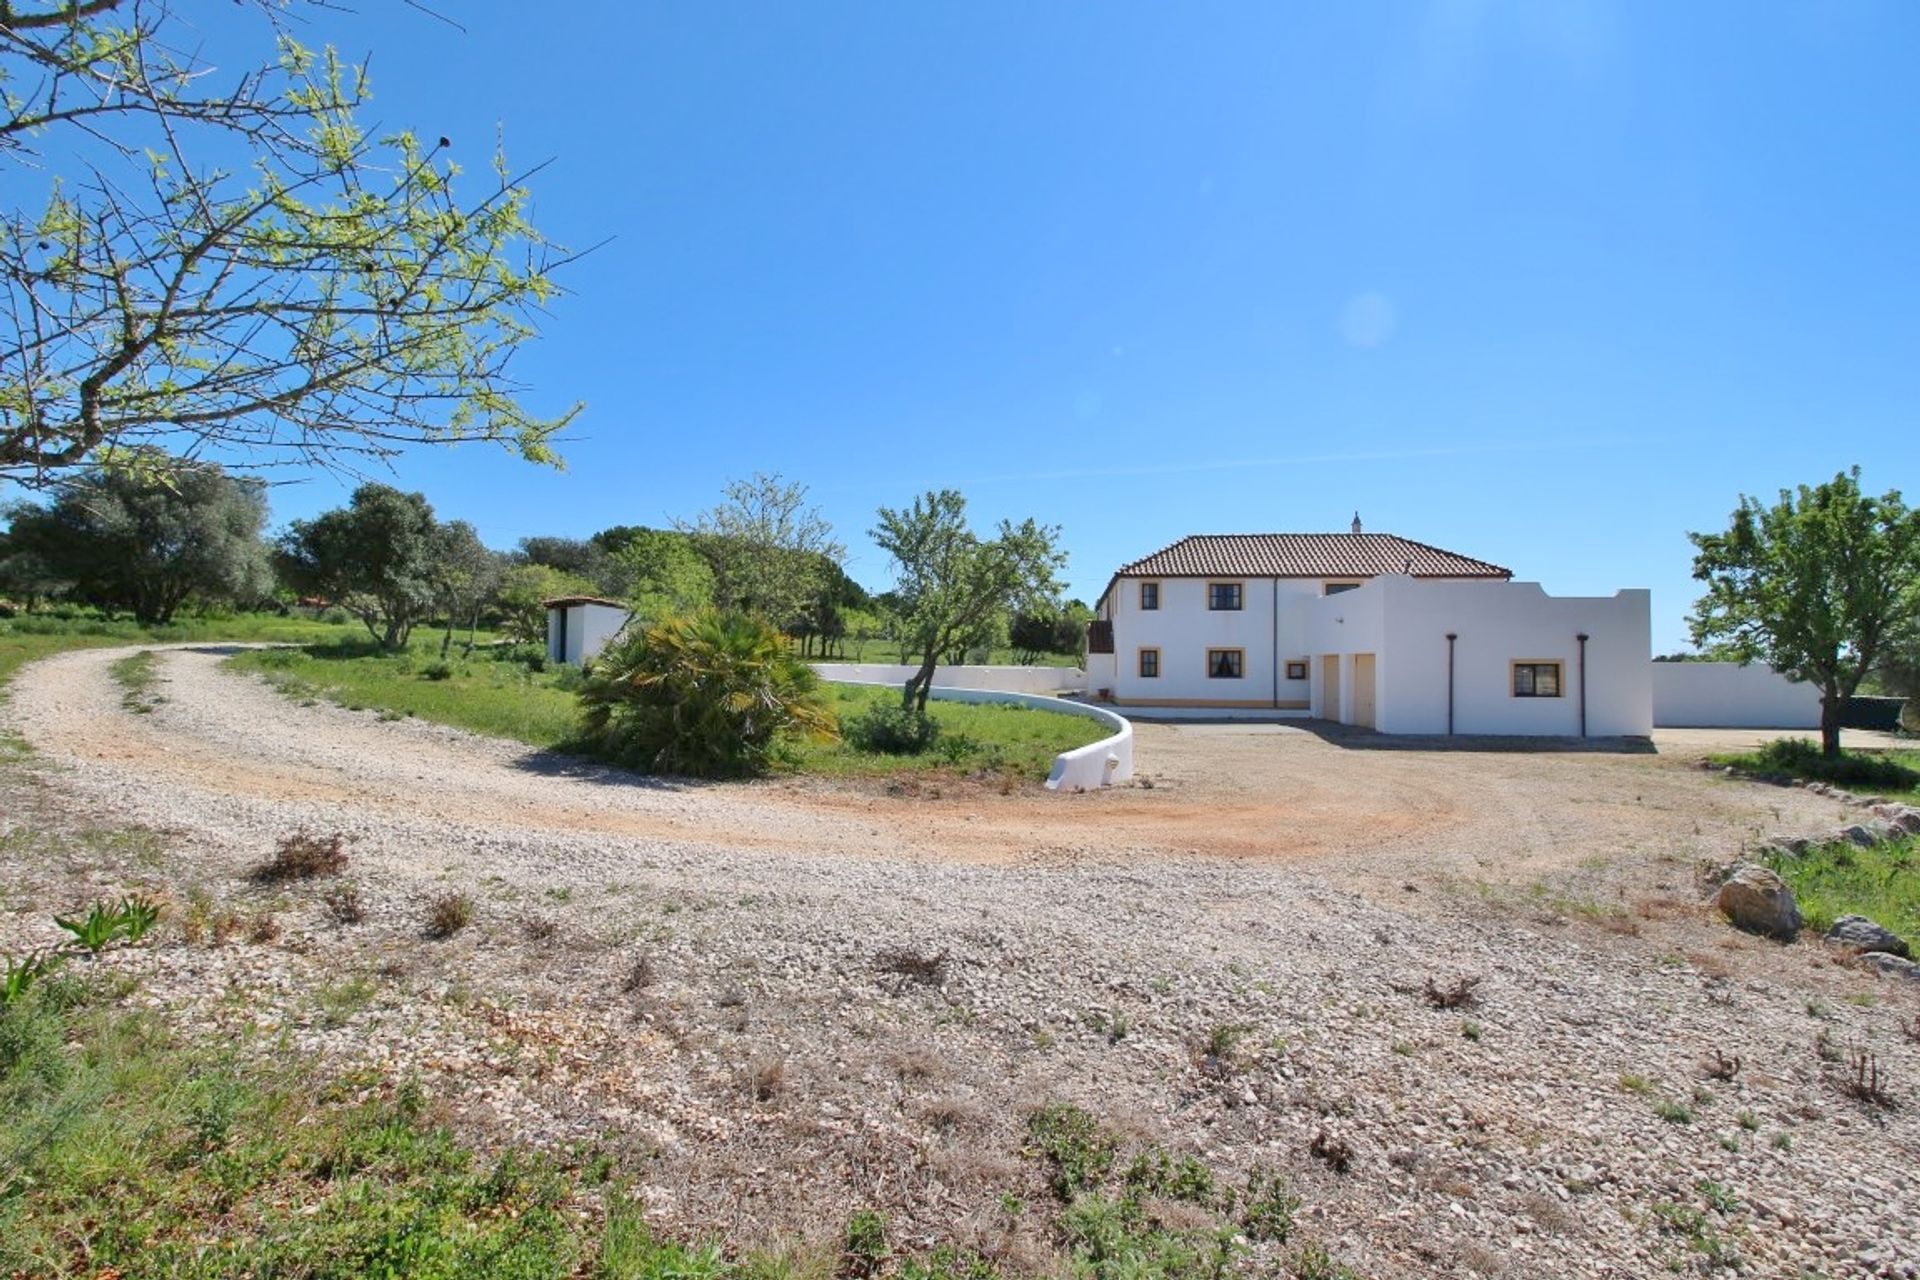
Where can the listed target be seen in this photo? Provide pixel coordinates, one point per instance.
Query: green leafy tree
(660, 572)
(768, 550)
(709, 694)
(328, 297)
(1814, 585)
(377, 558)
(148, 538)
(522, 596)
(25, 575)
(952, 583)
(465, 575)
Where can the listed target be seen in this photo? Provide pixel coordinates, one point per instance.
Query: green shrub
(436, 671)
(889, 728)
(707, 695)
(1801, 758)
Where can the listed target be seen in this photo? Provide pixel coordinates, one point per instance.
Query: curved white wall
(1098, 764)
(1726, 695)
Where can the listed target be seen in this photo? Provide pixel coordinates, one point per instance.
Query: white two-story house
(1367, 629)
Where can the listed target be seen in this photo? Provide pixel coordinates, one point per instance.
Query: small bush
(889, 728)
(1802, 758)
(302, 856)
(863, 1252)
(448, 914)
(1080, 1152)
(436, 671)
(344, 905)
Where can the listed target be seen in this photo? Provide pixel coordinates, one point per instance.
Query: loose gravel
(707, 981)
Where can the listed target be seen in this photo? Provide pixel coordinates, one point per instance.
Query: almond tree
(951, 581)
(1815, 586)
(219, 259)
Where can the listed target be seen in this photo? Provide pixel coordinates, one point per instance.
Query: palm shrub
(708, 694)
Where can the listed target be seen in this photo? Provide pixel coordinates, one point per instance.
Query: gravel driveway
(713, 981)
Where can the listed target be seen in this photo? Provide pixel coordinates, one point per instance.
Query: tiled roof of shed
(1306, 555)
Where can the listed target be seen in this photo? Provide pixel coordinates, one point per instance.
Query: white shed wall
(588, 629)
(1726, 695)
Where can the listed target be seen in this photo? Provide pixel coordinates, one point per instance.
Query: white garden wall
(1726, 695)
(1004, 679)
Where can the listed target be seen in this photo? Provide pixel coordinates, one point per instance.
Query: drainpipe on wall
(1582, 638)
(1276, 644)
(1451, 637)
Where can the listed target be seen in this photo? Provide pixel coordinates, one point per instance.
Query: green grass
(137, 676)
(482, 693)
(1881, 882)
(1891, 773)
(505, 699)
(973, 737)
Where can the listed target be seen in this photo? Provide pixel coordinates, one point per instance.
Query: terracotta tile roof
(1306, 555)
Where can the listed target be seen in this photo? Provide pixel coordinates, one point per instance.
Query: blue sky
(1545, 283)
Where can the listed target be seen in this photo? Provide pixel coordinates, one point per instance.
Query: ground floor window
(1536, 679)
(1225, 664)
(1296, 669)
(1149, 664)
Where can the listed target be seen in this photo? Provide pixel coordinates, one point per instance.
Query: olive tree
(1814, 585)
(377, 558)
(148, 542)
(951, 581)
(220, 260)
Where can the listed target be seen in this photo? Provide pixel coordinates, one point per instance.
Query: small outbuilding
(578, 627)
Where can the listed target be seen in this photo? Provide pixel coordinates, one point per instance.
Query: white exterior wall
(1005, 679)
(1726, 695)
(589, 627)
(1183, 629)
(1404, 623)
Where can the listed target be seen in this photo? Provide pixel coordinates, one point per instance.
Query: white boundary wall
(1098, 764)
(1004, 679)
(1726, 695)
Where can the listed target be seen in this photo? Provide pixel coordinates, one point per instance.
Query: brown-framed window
(1225, 596)
(1335, 588)
(1149, 596)
(1296, 669)
(1226, 664)
(1537, 680)
(1149, 664)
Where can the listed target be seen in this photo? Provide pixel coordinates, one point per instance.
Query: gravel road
(710, 981)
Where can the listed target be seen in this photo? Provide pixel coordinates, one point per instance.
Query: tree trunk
(446, 641)
(1832, 707)
(913, 695)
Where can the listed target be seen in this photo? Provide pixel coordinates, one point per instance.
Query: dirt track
(1238, 790)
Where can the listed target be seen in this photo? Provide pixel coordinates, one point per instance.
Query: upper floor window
(1224, 595)
(1149, 596)
(1335, 588)
(1536, 679)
